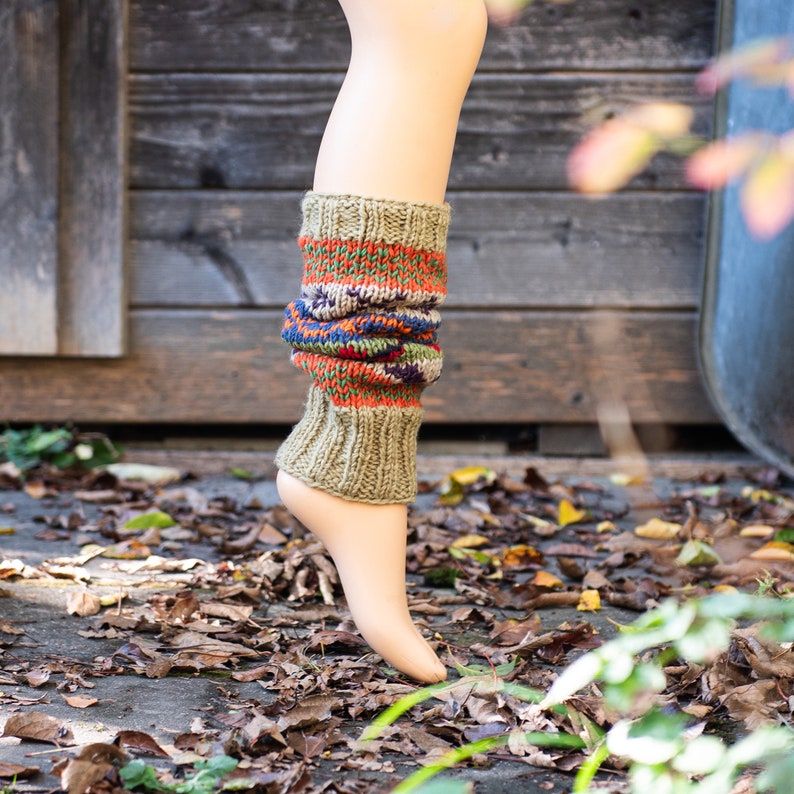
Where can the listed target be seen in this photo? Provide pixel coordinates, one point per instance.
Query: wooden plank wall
(28, 176)
(556, 302)
(92, 289)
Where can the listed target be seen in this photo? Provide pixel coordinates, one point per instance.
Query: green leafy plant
(60, 447)
(206, 779)
(665, 752)
(9, 788)
(479, 683)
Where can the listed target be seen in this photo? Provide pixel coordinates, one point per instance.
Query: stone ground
(167, 706)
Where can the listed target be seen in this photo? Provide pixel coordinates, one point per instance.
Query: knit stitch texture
(365, 330)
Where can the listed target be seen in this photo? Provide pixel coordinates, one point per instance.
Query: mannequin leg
(392, 128)
(390, 136)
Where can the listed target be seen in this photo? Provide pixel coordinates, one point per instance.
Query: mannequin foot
(367, 544)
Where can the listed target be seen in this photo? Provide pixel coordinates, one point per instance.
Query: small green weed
(60, 447)
(664, 752)
(206, 779)
(769, 585)
(9, 788)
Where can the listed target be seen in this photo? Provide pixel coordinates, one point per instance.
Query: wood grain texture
(517, 250)
(230, 366)
(237, 35)
(28, 176)
(263, 130)
(92, 294)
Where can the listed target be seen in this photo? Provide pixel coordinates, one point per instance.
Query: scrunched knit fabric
(365, 330)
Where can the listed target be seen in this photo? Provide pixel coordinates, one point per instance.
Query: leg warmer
(365, 330)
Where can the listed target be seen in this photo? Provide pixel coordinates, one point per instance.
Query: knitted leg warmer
(365, 329)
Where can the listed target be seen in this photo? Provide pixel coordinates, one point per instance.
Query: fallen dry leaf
(774, 550)
(37, 490)
(470, 542)
(13, 771)
(234, 612)
(95, 763)
(140, 742)
(38, 727)
(107, 496)
(83, 604)
(546, 579)
(569, 550)
(11, 568)
(757, 531)
(79, 777)
(568, 514)
(37, 677)
(253, 673)
(589, 601)
(605, 526)
(127, 550)
(79, 701)
(657, 529)
(144, 472)
(522, 556)
(310, 711)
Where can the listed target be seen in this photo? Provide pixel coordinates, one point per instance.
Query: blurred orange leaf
(665, 119)
(756, 58)
(504, 12)
(722, 161)
(774, 550)
(620, 148)
(546, 579)
(522, 555)
(610, 156)
(767, 196)
(36, 490)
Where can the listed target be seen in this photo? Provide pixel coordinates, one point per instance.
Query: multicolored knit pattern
(365, 329)
(365, 326)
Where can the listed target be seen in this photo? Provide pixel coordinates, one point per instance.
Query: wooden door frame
(63, 99)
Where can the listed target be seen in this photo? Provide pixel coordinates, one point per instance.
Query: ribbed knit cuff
(358, 454)
(415, 224)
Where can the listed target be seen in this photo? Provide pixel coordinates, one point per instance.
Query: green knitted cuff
(361, 455)
(418, 225)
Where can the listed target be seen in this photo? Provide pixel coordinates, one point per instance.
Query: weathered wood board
(506, 250)
(250, 130)
(92, 288)
(557, 303)
(279, 35)
(28, 176)
(230, 366)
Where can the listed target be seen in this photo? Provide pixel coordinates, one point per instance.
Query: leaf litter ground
(180, 622)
